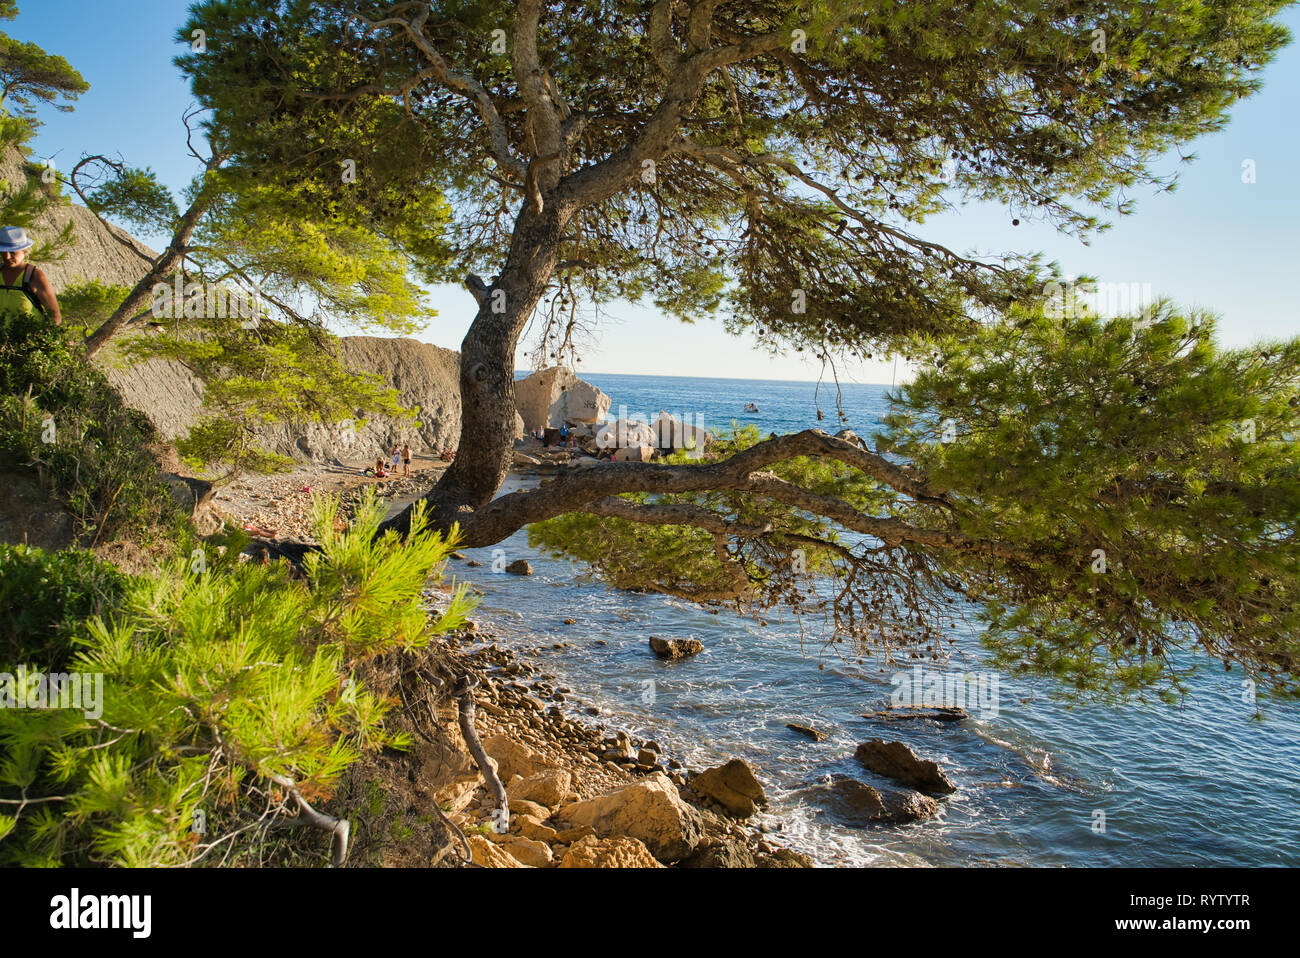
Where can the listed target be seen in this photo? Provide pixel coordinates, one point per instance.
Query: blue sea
(1039, 783)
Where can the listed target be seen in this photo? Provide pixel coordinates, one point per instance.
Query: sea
(1210, 781)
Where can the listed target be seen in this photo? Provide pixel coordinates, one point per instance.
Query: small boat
(750, 407)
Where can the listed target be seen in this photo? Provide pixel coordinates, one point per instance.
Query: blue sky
(1216, 242)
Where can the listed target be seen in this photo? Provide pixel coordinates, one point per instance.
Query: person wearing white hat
(24, 287)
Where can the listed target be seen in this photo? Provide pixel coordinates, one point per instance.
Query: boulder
(675, 648)
(535, 395)
(672, 433)
(895, 760)
(623, 433)
(488, 855)
(190, 494)
(633, 454)
(444, 770)
(721, 853)
(618, 851)
(530, 827)
(513, 758)
(522, 806)
(857, 803)
(547, 787)
(520, 567)
(650, 810)
(579, 403)
(733, 786)
(528, 852)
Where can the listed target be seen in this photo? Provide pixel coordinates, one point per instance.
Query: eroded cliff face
(426, 377)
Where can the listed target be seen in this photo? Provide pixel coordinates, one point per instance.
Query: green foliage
(137, 198)
(1174, 458)
(86, 305)
(30, 77)
(218, 677)
(59, 413)
(46, 597)
(893, 111)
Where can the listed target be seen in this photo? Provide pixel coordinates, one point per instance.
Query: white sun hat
(14, 238)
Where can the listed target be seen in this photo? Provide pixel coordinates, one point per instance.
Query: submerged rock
(895, 760)
(675, 648)
(806, 730)
(857, 803)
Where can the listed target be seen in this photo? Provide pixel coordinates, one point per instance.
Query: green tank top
(20, 298)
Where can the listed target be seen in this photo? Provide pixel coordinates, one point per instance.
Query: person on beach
(406, 459)
(24, 287)
(397, 457)
(380, 473)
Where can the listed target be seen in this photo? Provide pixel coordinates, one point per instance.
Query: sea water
(1039, 783)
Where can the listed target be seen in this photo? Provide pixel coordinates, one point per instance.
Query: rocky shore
(582, 794)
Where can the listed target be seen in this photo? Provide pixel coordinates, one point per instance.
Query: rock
(444, 769)
(528, 852)
(530, 827)
(807, 730)
(190, 494)
(547, 787)
(720, 853)
(520, 567)
(535, 394)
(521, 806)
(857, 803)
(650, 810)
(618, 851)
(524, 460)
(733, 786)
(895, 760)
(625, 433)
(672, 433)
(473, 563)
(570, 835)
(784, 858)
(488, 855)
(579, 403)
(633, 454)
(646, 756)
(513, 758)
(675, 648)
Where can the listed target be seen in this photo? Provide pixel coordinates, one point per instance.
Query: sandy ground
(279, 506)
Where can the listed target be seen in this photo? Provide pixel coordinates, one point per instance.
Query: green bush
(45, 597)
(227, 687)
(59, 413)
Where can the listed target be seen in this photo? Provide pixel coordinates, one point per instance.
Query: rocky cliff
(425, 376)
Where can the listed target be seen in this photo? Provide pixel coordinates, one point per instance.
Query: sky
(1218, 242)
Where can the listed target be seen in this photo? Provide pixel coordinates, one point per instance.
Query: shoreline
(526, 720)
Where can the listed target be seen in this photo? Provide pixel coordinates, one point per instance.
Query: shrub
(45, 597)
(230, 691)
(59, 413)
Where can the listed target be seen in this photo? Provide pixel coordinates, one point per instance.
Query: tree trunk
(142, 293)
(487, 370)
